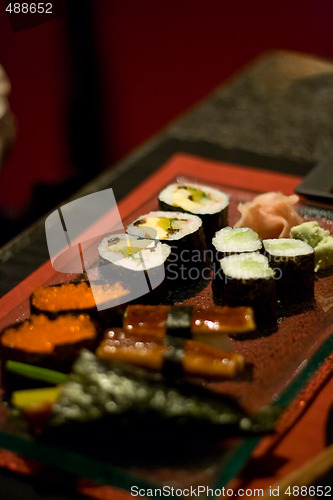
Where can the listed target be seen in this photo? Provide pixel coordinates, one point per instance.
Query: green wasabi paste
(319, 239)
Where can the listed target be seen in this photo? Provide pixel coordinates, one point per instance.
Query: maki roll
(293, 264)
(183, 233)
(49, 343)
(230, 240)
(246, 279)
(173, 228)
(137, 263)
(208, 203)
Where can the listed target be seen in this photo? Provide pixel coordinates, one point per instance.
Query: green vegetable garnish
(127, 250)
(130, 251)
(197, 194)
(166, 223)
(36, 372)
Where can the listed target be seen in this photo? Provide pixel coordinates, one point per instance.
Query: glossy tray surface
(280, 360)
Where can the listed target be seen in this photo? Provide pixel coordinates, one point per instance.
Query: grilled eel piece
(171, 356)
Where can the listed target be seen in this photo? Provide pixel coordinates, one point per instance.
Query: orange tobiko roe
(70, 296)
(40, 334)
(65, 296)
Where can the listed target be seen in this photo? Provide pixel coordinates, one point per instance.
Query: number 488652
(29, 8)
(306, 491)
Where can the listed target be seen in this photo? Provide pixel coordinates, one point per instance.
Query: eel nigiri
(171, 358)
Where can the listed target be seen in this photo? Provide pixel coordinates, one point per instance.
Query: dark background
(92, 84)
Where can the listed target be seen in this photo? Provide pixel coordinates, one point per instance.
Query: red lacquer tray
(283, 362)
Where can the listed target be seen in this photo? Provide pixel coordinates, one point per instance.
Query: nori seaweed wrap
(210, 204)
(247, 279)
(293, 264)
(105, 396)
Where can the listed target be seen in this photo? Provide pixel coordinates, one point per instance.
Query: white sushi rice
(142, 253)
(287, 247)
(175, 196)
(186, 224)
(250, 265)
(236, 239)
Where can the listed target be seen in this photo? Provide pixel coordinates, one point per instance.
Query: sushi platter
(230, 344)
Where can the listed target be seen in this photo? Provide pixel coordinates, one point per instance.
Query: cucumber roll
(247, 280)
(137, 263)
(293, 264)
(208, 203)
(184, 234)
(230, 240)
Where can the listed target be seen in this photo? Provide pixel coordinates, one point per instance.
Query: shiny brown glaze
(148, 351)
(205, 319)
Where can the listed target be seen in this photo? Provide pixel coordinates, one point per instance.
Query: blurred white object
(7, 121)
